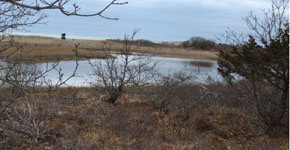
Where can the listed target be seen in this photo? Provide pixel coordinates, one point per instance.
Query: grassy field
(53, 49)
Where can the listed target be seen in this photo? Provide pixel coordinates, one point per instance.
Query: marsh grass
(41, 49)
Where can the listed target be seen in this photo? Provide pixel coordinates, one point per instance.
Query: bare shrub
(176, 94)
(31, 78)
(68, 95)
(117, 75)
(24, 121)
(179, 94)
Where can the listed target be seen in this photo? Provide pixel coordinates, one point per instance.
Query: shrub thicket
(199, 43)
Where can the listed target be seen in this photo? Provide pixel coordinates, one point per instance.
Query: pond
(202, 70)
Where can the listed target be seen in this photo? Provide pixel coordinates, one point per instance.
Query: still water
(202, 70)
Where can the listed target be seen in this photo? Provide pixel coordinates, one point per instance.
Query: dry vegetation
(175, 113)
(53, 49)
(198, 117)
(35, 48)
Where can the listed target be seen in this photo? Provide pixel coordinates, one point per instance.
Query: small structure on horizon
(63, 36)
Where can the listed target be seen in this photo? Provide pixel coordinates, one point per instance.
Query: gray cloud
(159, 20)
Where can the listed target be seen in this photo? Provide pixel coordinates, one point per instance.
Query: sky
(158, 20)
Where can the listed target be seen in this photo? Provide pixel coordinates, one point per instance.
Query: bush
(173, 90)
(117, 76)
(223, 46)
(199, 43)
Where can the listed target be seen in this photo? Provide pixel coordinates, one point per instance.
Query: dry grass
(53, 49)
(39, 49)
(133, 123)
(170, 52)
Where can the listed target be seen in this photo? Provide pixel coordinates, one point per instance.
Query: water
(202, 70)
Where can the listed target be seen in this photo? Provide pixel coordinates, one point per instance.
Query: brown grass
(39, 49)
(133, 123)
(53, 49)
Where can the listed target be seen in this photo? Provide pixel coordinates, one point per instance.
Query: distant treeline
(147, 43)
(193, 43)
(204, 44)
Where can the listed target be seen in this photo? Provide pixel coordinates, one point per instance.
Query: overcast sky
(158, 20)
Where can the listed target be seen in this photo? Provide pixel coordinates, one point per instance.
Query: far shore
(41, 49)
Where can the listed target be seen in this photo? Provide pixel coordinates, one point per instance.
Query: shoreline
(48, 49)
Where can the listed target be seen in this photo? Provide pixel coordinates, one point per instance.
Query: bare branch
(126, 71)
(39, 5)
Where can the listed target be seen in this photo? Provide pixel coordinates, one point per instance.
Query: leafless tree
(269, 26)
(263, 28)
(117, 75)
(19, 14)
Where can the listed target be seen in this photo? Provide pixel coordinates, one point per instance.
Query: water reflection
(200, 63)
(202, 70)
